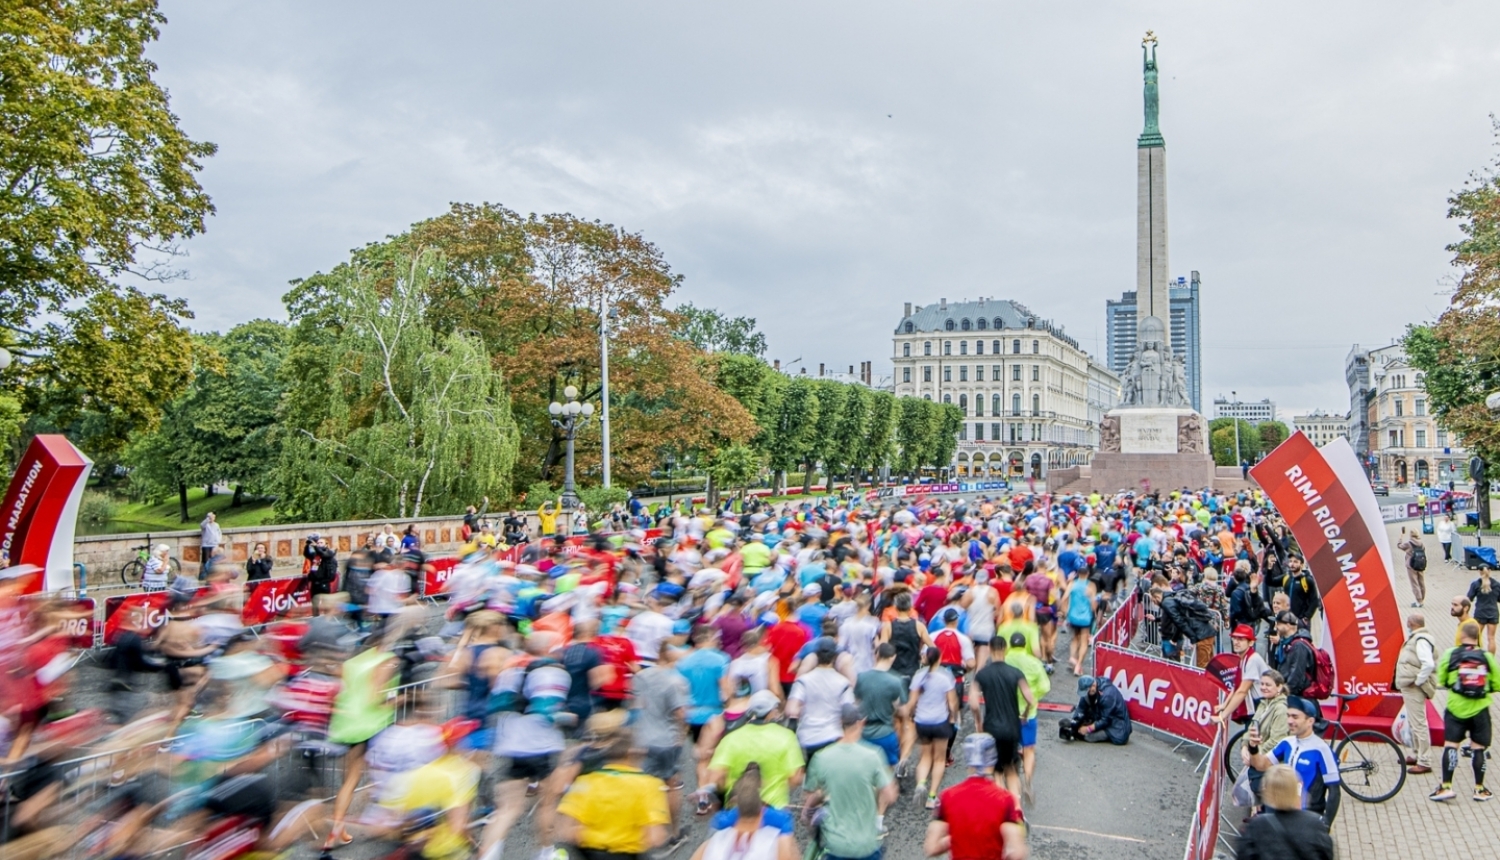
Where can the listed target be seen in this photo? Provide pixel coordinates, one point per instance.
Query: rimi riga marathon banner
(1323, 495)
(40, 508)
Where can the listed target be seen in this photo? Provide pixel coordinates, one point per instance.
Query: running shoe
(1443, 792)
(931, 800)
(704, 806)
(1482, 794)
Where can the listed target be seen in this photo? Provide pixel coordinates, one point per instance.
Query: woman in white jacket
(1445, 530)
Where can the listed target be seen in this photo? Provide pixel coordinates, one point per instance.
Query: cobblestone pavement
(1409, 825)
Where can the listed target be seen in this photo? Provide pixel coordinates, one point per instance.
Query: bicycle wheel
(1371, 766)
(175, 565)
(132, 572)
(1232, 760)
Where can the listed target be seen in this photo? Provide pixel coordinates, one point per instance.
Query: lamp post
(569, 417)
(605, 319)
(1236, 396)
(671, 463)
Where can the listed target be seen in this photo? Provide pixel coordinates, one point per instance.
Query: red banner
(439, 569)
(269, 599)
(79, 631)
(1203, 831)
(149, 611)
(40, 509)
(1174, 698)
(1325, 499)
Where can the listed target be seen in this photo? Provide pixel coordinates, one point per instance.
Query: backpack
(1418, 560)
(516, 701)
(1320, 683)
(1470, 671)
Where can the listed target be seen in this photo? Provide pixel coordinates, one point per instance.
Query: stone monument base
(1149, 448)
(1116, 472)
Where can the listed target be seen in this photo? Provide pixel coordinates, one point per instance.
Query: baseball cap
(980, 750)
(762, 704)
(1303, 704)
(1085, 683)
(1242, 631)
(826, 646)
(950, 615)
(1018, 640)
(812, 589)
(1286, 617)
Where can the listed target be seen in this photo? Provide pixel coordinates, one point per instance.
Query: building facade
(1032, 399)
(1120, 327)
(1254, 411)
(1322, 428)
(1357, 375)
(1405, 446)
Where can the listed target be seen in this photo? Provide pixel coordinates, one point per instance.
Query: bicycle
(1372, 767)
(134, 569)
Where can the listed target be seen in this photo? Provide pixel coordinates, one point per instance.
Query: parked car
(1381, 488)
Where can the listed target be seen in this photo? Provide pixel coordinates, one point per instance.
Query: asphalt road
(1091, 801)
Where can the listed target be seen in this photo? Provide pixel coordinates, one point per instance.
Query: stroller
(1476, 557)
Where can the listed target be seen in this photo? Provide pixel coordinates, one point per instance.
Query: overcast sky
(815, 164)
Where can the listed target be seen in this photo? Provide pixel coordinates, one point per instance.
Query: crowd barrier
(1203, 830)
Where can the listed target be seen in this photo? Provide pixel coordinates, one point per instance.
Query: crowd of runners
(785, 673)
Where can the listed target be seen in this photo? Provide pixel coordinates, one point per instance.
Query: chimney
(777, 364)
(908, 310)
(804, 371)
(942, 304)
(851, 370)
(820, 368)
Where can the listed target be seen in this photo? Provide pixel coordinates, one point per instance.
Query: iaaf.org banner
(1326, 500)
(1177, 699)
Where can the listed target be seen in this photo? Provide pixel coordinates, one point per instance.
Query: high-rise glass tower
(1120, 321)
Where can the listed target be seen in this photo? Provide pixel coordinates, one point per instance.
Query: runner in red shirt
(785, 640)
(977, 819)
(933, 597)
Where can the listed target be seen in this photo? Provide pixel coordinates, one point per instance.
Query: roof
(1002, 314)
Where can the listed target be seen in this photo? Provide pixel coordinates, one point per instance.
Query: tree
(233, 410)
(1250, 441)
(944, 441)
(845, 454)
(711, 331)
(875, 448)
(1270, 434)
(1459, 356)
(733, 467)
(108, 368)
(831, 396)
(914, 428)
(386, 415)
(93, 166)
(793, 429)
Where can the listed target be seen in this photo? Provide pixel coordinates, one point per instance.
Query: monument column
(1152, 297)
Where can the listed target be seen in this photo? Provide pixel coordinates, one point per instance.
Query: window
(995, 346)
(999, 323)
(1442, 438)
(979, 347)
(966, 325)
(963, 347)
(1036, 373)
(1399, 404)
(1036, 404)
(996, 371)
(906, 350)
(947, 398)
(1393, 440)
(1015, 347)
(927, 397)
(981, 324)
(1036, 436)
(947, 347)
(979, 404)
(978, 432)
(1421, 437)
(927, 347)
(995, 408)
(963, 403)
(963, 432)
(995, 432)
(908, 327)
(963, 373)
(978, 373)
(1015, 373)
(906, 374)
(1036, 347)
(1015, 404)
(948, 324)
(927, 374)
(948, 374)
(1421, 407)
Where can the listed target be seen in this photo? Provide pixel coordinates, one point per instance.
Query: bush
(601, 499)
(540, 492)
(96, 509)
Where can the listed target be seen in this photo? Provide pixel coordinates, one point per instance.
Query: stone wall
(104, 555)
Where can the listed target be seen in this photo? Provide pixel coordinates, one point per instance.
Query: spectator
(1416, 680)
(1416, 565)
(1445, 529)
(1301, 590)
(1099, 716)
(259, 564)
(1286, 832)
(209, 538)
(322, 564)
(1299, 657)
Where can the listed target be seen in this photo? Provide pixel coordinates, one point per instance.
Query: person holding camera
(1099, 716)
(322, 564)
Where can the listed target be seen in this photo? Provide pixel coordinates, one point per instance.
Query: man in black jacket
(1298, 662)
(1301, 588)
(323, 566)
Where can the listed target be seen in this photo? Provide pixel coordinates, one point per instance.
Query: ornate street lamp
(569, 417)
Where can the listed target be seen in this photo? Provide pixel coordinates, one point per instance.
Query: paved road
(1109, 803)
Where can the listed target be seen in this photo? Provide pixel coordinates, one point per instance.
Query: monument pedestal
(1152, 448)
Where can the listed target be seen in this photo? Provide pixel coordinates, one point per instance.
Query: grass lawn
(143, 517)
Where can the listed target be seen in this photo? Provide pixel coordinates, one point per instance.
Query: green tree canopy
(712, 331)
(1222, 445)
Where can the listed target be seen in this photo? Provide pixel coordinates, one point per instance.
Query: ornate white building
(1031, 398)
(1321, 428)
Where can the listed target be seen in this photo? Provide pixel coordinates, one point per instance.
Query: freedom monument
(1154, 439)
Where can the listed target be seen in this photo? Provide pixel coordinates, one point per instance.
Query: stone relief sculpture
(1109, 433)
(1190, 434)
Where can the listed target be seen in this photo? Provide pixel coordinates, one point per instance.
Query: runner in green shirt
(851, 785)
(1470, 675)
